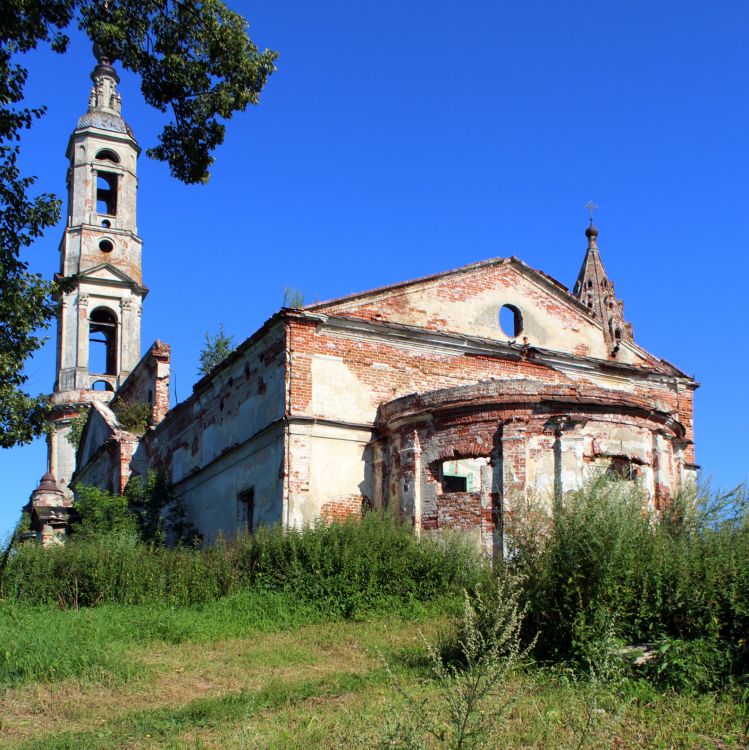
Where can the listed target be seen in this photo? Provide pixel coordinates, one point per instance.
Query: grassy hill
(359, 635)
(174, 682)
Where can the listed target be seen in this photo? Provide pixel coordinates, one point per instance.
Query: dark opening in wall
(460, 474)
(106, 193)
(102, 338)
(107, 154)
(455, 484)
(623, 468)
(510, 321)
(246, 511)
(106, 246)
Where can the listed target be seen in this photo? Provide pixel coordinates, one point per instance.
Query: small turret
(596, 291)
(49, 510)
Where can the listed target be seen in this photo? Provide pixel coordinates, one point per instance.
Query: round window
(106, 246)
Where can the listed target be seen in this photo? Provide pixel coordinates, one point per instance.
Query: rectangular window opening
(454, 484)
(246, 511)
(106, 193)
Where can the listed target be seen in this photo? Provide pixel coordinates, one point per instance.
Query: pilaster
(514, 465)
(81, 361)
(409, 452)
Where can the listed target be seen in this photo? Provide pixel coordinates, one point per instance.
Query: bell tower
(98, 329)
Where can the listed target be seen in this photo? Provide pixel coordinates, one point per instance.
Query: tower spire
(596, 291)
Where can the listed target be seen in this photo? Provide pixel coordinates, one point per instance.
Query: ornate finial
(104, 94)
(591, 232)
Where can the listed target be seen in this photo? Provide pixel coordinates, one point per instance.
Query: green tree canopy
(215, 350)
(195, 60)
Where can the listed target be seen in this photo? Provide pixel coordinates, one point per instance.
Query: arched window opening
(101, 385)
(108, 155)
(106, 193)
(510, 320)
(150, 397)
(102, 338)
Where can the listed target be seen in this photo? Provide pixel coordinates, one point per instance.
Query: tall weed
(344, 568)
(680, 577)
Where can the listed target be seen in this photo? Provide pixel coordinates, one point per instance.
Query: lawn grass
(211, 679)
(45, 643)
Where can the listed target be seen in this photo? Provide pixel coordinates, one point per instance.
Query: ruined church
(448, 398)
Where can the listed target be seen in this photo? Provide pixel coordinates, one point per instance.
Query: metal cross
(591, 207)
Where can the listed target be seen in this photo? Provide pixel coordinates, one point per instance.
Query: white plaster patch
(337, 393)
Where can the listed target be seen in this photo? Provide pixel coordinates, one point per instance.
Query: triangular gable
(468, 301)
(102, 425)
(105, 272)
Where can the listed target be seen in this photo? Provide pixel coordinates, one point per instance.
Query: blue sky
(399, 139)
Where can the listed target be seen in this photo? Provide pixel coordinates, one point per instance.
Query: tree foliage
(77, 423)
(101, 512)
(194, 58)
(216, 349)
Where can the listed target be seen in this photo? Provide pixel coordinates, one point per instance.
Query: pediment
(468, 301)
(107, 273)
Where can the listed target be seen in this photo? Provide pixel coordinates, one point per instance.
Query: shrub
(75, 433)
(101, 512)
(344, 568)
(609, 569)
(698, 665)
(132, 415)
(490, 648)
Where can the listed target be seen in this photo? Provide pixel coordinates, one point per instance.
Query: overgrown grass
(348, 568)
(598, 574)
(76, 610)
(602, 572)
(45, 643)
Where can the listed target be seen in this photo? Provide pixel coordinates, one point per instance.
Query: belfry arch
(102, 341)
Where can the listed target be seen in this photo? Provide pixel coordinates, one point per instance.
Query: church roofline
(508, 347)
(561, 291)
(124, 280)
(511, 260)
